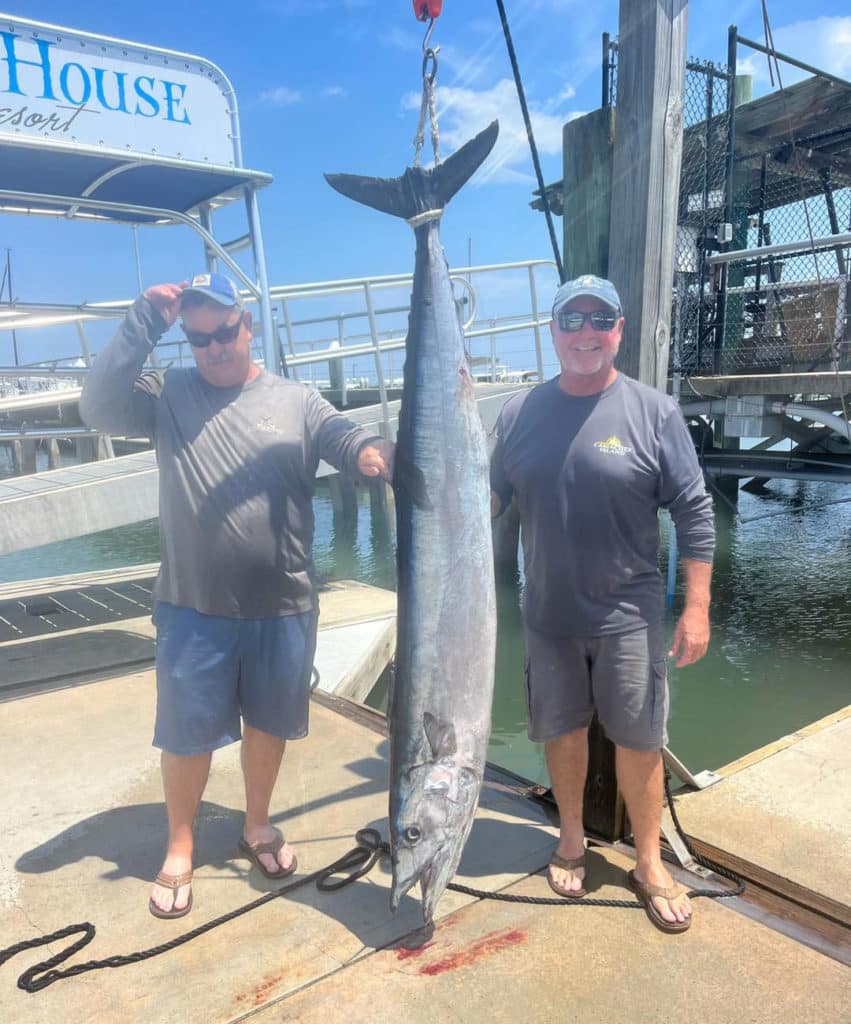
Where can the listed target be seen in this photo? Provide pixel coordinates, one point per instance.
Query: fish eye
(412, 834)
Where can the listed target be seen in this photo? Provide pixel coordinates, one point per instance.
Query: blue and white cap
(588, 284)
(216, 287)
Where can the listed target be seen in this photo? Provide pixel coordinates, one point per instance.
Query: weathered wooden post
(53, 457)
(588, 143)
(646, 178)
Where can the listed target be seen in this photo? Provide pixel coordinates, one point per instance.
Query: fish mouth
(406, 874)
(433, 877)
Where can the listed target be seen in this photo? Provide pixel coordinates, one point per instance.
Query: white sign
(58, 85)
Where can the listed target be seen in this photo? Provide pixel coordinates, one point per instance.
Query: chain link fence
(787, 311)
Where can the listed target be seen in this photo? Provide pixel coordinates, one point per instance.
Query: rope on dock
(359, 861)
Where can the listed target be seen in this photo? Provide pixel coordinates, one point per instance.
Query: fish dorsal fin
(440, 735)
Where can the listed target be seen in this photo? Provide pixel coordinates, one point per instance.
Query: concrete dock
(782, 817)
(83, 833)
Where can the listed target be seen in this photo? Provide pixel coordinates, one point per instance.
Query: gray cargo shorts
(622, 676)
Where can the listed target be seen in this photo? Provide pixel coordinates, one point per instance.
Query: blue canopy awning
(58, 179)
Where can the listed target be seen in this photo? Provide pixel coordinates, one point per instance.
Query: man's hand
(165, 298)
(376, 459)
(691, 636)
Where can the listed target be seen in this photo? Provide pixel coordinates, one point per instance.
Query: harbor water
(780, 655)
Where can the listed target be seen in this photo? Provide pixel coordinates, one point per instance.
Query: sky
(333, 85)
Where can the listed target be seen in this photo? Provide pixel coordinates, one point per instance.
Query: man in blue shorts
(236, 611)
(591, 457)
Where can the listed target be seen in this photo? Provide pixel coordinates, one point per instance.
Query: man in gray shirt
(236, 610)
(591, 457)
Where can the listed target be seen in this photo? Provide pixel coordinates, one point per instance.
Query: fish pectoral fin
(440, 735)
(409, 478)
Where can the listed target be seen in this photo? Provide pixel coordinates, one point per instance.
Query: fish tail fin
(418, 190)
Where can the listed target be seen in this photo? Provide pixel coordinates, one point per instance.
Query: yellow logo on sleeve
(613, 446)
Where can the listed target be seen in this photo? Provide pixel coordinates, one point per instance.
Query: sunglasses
(222, 335)
(573, 321)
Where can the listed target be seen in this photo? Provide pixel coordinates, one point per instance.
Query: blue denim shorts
(212, 670)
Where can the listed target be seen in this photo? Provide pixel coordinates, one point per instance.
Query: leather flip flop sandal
(567, 864)
(173, 882)
(253, 850)
(645, 891)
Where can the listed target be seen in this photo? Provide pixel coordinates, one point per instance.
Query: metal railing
(335, 343)
(362, 330)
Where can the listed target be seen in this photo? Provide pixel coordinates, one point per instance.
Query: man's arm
(343, 444)
(691, 635)
(115, 400)
(683, 493)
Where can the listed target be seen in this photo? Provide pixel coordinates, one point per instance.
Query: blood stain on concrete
(410, 954)
(485, 947)
(261, 993)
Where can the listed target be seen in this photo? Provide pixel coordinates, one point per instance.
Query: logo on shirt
(268, 426)
(613, 446)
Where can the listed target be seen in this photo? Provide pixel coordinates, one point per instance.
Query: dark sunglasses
(574, 321)
(222, 335)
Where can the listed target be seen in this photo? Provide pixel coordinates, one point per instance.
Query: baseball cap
(216, 287)
(588, 284)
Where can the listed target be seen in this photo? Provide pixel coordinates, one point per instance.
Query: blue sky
(333, 86)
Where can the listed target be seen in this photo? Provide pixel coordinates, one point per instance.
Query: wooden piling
(588, 147)
(344, 499)
(24, 454)
(53, 459)
(506, 539)
(646, 179)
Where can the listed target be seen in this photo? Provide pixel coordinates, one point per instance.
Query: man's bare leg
(261, 760)
(184, 779)
(567, 761)
(641, 779)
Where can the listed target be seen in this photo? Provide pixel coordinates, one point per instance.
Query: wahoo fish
(440, 703)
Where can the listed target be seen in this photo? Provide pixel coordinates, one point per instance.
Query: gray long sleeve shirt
(236, 473)
(590, 475)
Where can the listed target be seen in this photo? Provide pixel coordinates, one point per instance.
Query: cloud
(463, 112)
(823, 42)
(334, 90)
(282, 96)
(401, 39)
(465, 67)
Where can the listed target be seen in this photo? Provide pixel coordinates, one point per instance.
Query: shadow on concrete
(130, 840)
(133, 838)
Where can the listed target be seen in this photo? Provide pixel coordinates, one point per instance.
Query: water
(780, 655)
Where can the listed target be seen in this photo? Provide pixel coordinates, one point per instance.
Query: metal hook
(429, 55)
(429, 31)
